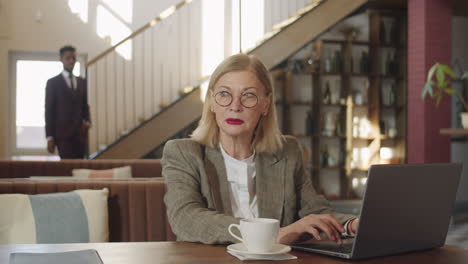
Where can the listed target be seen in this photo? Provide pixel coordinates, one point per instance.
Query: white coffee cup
(258, 234)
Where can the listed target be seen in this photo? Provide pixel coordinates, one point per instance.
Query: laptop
(405, 208)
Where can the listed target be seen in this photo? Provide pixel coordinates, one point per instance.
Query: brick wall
(429, 41)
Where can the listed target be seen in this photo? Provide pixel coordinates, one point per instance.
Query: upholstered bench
(136, 210)
(141, 168)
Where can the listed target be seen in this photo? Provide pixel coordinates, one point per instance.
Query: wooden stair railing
(304, 26)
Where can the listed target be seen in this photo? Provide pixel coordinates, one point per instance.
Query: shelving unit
(351, 109)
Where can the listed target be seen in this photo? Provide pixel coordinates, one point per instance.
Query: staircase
(136, 94)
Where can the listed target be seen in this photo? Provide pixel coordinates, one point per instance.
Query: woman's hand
(312, 224)
(354, 225)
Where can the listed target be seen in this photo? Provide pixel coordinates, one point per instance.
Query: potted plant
(440, 85)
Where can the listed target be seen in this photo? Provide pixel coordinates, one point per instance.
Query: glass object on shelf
(327, 158)
(359, 186)
(383, 32)
(327, 61)
(394, 32)
(329, 127)
(324, 157)
(337, 65)
(360, 158)
(310, 123)
(356, 65)
(383, 127)
(332, 161)
(365, 91)
(294, 65)
(355, 126)
(327, 93)
(392, 132)
(313, 62)
(339, 127)
(364, 127)
(388, 94)
(335, 92)
(394, 69)
(298, 66)
(387, 156)
(358, 100)
(388, 65)
(364, 63)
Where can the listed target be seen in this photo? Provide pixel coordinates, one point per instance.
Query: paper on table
(262, 257)
(88, 256)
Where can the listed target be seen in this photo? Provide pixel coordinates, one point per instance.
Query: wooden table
(181, 252)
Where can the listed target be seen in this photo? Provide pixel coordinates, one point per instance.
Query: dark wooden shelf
(331, 137)
(385, 137)
(395, 77)
(360, 169)
(340, 74)
(333, 41)
(348, 78)
(364, 138)
(364, 105)
(392, 107)
(360, 75)
(454, 131)
(340, 42)
(304, 103)
(333, 105)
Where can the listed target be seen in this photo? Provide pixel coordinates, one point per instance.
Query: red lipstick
(234, 121)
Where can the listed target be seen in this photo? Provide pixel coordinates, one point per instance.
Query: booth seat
(136, 209)
(141, 168)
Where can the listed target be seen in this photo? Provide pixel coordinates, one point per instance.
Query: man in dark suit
(66, 110)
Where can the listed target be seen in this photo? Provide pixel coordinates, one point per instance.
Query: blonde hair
(268, 138)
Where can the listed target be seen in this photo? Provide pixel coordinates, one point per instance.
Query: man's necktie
(71, 81)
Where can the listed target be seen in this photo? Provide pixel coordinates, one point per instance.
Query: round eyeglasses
(247, 100)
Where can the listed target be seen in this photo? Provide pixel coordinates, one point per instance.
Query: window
(30, 72)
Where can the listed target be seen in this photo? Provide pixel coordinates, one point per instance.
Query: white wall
(20, 29)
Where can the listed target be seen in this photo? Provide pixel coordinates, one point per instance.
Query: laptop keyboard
(344, 248)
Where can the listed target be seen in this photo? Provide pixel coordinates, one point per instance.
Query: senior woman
(238, 165)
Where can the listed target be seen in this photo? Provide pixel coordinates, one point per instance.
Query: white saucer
(277, 249)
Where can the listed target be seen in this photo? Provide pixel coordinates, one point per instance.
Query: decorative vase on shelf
(464, 119)
(327, 62)
(327, 93)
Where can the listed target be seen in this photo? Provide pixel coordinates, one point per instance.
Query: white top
(66, 76)
(241, 177)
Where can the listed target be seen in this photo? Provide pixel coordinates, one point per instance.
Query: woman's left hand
(354, 225)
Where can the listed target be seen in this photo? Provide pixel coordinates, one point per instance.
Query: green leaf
(431, 72)
(442, 85)
(440, 76)
(427, 90)
(449, 90)
(447, 70)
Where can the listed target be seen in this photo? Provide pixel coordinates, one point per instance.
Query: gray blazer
(197, 197)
